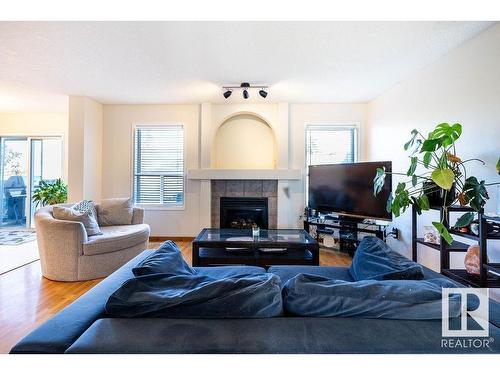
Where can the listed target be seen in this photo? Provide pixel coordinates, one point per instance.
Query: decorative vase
(471, 261)
(436, 195)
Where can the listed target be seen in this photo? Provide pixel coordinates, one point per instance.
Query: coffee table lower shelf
(209, 256)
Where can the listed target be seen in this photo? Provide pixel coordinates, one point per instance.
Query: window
(329, 144)
(159, 165)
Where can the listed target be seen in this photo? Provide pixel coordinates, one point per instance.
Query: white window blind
(159, 165)
(330, 144)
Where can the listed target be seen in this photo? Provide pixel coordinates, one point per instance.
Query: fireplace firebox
(244, 212)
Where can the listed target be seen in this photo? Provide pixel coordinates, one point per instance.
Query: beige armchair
(68, 254)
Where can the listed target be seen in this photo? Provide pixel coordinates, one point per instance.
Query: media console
(348, 230)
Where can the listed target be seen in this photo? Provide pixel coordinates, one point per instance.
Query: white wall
(37, 124)
(117, 161)
(85, 149)
(464, 87)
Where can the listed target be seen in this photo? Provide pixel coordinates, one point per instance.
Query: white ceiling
(187, 62)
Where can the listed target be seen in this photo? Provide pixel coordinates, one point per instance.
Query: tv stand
(348, 228)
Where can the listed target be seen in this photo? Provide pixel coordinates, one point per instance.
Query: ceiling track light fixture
(245, 87)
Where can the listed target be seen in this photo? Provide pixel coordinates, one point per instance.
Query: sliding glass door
(24, 162)
(46, 165)
(13, 181)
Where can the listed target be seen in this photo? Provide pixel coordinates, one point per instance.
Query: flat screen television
(347, 189)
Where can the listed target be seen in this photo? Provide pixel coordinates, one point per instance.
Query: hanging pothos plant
(437, 176)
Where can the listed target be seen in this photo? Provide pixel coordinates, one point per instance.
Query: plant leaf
(453, 158)
(401, 199)
(416, 205)
(443, 231)
(431, 145)
(413, 166)
(396, 208)
(443, 178)
(475, 193)
(424, 202)
(447, 133)
(427, 159)
(389, 203)
(464, 220)
(410, 143)
(414, 180)
(498, 166)
(400, 188)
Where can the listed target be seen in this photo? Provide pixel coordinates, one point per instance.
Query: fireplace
(244, 212)
(244, 191)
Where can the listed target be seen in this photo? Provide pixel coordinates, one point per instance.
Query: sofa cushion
(115, 211)
(116, 238)
(308, 295)
(167, 259)
(291, 335)
(194, 296)
(285, 273)
(86, 218)
(375, 260)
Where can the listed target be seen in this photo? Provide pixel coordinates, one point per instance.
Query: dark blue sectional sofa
(83, 327)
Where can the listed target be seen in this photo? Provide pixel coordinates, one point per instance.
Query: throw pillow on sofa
(115, 211)
(89, 207)
(166, 260)
(88, 221)
(309, 295)
(374, 260)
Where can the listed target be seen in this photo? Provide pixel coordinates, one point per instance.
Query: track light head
(245, 94)
(263, 93)
(227, 94)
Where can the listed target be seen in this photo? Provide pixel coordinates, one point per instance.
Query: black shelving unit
(487, 277)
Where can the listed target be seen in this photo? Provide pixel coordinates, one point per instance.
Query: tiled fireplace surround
(245, 188)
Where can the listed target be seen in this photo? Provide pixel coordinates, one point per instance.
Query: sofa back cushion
(166, 260)
(115, 211)
(88, 220)
(309, 295)
(197, 296)
(374, 260)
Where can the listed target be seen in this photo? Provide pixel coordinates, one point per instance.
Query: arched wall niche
(244, 141)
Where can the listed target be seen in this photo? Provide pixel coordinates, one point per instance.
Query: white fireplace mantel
(244, 174)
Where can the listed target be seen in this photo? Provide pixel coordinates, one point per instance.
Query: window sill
(159, 207)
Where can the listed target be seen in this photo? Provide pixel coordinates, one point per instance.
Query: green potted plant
(437, 176)
(48, 193)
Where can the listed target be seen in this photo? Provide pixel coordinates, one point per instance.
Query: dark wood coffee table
(214, 247)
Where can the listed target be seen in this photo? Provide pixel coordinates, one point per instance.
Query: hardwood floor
(27, 299)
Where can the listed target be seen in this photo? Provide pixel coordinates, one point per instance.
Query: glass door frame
(29, 168)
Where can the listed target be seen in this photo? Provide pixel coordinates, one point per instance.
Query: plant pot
(436, 195)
